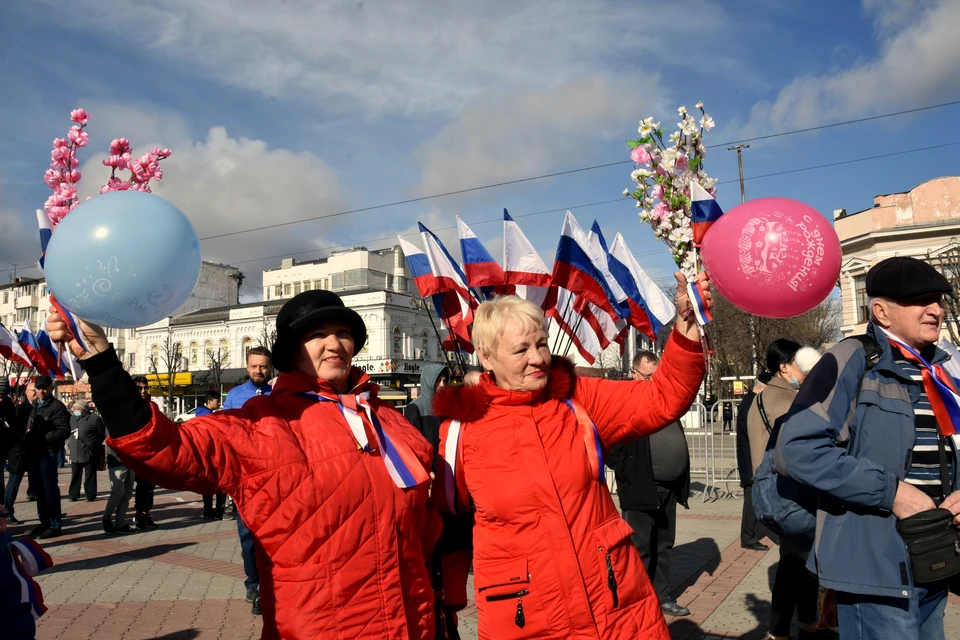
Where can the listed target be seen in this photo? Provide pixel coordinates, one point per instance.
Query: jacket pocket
(621, 568)
(508, 605)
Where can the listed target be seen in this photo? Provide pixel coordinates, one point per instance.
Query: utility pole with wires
(743, 198)
(738, 148)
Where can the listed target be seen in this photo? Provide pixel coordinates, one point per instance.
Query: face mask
(78, 413)
(795, 384)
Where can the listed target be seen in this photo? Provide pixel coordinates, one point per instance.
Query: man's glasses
(641, 375)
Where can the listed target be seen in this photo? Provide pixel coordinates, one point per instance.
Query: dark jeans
(79, 470)
(208, 503)
(728, 424)
(62, 455)
(11, 491)
(44, 466)
(748, 519)
(654, 533)
(143, 499)
(794, 588)
(249, 555)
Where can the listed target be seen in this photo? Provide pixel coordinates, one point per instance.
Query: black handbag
(932, 540)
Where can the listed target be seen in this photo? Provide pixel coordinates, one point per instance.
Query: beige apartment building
(923, 223)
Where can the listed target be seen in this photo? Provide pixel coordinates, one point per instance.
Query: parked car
(183, 417)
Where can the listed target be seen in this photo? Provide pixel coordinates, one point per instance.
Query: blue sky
(282, 111)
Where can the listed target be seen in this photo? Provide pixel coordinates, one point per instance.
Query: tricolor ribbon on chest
(940, 388)
(401, 463)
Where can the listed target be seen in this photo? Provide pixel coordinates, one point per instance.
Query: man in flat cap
(886, 465)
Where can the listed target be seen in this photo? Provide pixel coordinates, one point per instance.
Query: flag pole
(563, 322)
(436, 332)
(573, 332)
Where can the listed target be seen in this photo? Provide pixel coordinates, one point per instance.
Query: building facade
(213, 343)
(342, 272)
(921, 223)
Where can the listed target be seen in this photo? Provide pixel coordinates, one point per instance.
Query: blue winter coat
(857, 547)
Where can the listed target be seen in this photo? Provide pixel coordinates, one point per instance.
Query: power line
(566, 172)
(621, 199)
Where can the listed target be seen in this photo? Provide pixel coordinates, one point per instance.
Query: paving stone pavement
(185, 579)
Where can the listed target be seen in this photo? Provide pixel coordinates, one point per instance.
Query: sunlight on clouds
(523, 133)
(917, 65)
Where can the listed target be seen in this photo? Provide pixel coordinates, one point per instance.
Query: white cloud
(916, 65)
(418, 56)
(523, 133)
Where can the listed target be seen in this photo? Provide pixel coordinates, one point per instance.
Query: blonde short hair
(491, 317)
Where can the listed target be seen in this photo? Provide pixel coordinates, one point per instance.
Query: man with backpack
(873, 440)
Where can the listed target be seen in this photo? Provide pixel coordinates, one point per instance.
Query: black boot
(141, 523)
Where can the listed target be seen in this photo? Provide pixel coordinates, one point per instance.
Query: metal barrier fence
(713, 451)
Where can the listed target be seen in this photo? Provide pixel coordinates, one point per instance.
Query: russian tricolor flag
(660, 310)
(704, 211)
(419, 268)
(522, 265)
(480, 267)
(445, 269)
(573, 268)
(582, 335)
(50, 354)
(10, 348)
(598, 253)
(29, 343)
(46, 230)
(72, 322)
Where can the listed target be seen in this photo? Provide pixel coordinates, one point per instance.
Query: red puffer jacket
(345, 548)
(552, 556)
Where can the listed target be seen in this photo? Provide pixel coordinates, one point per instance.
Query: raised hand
(93, 335)
(686, 322)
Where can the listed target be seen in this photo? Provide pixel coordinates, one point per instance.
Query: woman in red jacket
(552, 556)
(332, 482)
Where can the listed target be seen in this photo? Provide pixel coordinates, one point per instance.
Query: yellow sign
(163, 379)
(737, 388)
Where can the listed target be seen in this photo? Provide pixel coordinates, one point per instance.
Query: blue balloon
(123, 259)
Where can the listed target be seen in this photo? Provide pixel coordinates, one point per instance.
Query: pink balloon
(772, 257)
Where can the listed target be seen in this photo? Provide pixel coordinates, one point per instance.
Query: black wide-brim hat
(305, 311)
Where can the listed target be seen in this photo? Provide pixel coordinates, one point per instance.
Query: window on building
(6, 297)
(286, 289)
(43, 290)
(194, 353)
(425, 345)
(207, 353)
(318, 284)
(326, 283)
(337, 280)
(296, 288)
(224, 353)
(132, 357)
(397, 342)
(861, 299)
(278, 291)
(246, 345)
(389, 282)
(155, 356)
(306, 285)
(355, 278)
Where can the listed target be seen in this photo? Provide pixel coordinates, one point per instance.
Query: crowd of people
(357, 521)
